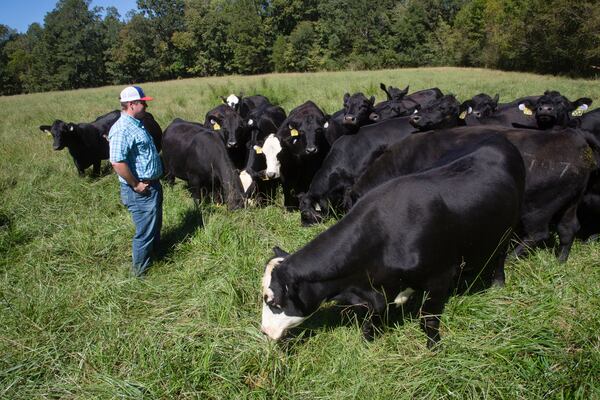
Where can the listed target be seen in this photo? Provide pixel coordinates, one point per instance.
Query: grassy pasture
(74, 325)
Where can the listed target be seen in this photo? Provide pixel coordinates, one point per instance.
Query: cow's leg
(567, 228)
(96, 168)
(290, 201)
(532, 239)
(432, 308)
(80, 169)
(499, 278)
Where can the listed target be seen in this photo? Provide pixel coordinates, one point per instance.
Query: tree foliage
(165, 39)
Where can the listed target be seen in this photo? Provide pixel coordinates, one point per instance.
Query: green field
(73, 324)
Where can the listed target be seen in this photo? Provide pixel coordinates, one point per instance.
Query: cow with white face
(260, 177)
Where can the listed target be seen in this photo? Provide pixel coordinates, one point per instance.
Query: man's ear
(279, 252)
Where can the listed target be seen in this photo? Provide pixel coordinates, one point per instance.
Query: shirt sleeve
(119, 146)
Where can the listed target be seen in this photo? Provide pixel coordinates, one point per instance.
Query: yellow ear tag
(258, 149)
(577, 113)
(294, 132)
(49, 134)
(463, 114)
(216, 126)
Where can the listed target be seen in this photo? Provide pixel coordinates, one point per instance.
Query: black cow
(588, 211)
(193, 153)
(483, 110)
(356, 112)
(440, 113)
(553, 109)
(417, 232)
(234, 131)
(244, 105)
(304, 146)
(393, 93)
(88, 142)
(400, 106)
(558, 169)
(350, 156)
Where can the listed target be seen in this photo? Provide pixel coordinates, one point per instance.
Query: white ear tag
(469, 110)
(250, 122)
(326, 125)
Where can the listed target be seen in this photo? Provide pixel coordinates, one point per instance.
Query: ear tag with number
(580, 110)
(294, 132)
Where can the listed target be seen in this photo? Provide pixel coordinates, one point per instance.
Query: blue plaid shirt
(132, 144)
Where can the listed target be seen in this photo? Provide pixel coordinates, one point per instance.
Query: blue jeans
(146, 213)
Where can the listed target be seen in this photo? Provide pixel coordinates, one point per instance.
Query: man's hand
(141, 188)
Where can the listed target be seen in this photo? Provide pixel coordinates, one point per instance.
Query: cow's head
(61, 132)
(312, 211)
(281, 309)
(393, 93)
(357, 109)
(392, 109)
(480, 106)
(440, 113)
(230, 126)
(555, 109)
(234, 101)
(303, 132)
(270, 150)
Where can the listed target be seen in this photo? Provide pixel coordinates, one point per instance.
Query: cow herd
(432, 193)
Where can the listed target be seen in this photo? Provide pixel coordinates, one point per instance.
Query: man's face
(138, 108)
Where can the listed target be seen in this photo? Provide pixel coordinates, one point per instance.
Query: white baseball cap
(133, 93)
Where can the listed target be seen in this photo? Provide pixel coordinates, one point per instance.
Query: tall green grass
(73, 324)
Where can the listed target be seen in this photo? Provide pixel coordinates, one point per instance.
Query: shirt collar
(134, 120)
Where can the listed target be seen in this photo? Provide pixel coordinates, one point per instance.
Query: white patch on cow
(522, 107)
(71, 128)
(246, 180)
(232, 100)
(271, 148)
(250, 121)
(326, 125)
(317, 207)
(273, 324)
(416, 111)
(294, 141)
(403, 296)
(469, 110)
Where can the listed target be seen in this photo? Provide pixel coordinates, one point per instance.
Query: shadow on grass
(192, 221)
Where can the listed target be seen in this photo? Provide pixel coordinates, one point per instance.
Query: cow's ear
(467, 106)
(372, 100)
(495, 101)
(279, 252)
(405, 91)
(382, 87)
(584, 103)
(346, 97)
(45, 128)
(527, 104)
(223, 99)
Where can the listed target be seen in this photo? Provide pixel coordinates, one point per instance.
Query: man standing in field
(136, 161)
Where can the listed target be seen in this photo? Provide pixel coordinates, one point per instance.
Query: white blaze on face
(403, 296)
(232, 100)
(271, 148)
(246, 180)
(274, 324)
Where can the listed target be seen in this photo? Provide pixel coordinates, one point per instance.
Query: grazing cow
(304, 146)
(483, 110)
(350, 156)
(404, 105)
(553, 109)
(193, 153)
(417, 232)
(88, 142)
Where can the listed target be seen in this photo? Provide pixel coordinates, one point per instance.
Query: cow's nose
(231, 144)
(270, 175)
(545, 108)
(350, 119)
(311, 149)
(477, 114)
(415, 118)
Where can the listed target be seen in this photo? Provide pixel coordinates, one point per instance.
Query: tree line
(78, 46)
